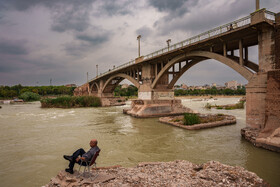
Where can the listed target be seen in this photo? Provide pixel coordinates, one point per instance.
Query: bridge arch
(92, 84)
(93, 88)
(247, 74)
(124, 76)
(183, 70)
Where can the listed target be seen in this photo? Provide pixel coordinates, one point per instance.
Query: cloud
(66, 14)
(94, 39)
(71, 17)
(210, 14)
(175, 7)
(112, 7)
(13, 47)
(87, 41)
(28, 63)
(76, 49)
(144, 31)
(28, 70)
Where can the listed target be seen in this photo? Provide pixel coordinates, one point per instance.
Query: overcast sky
(62, 40)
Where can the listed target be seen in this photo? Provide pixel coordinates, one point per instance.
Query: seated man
(80, 154)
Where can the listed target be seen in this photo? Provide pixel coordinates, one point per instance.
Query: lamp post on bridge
(96, 70)
(168, 43)
(257, 4)
(138, 38)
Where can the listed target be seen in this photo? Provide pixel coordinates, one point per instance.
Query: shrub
(240, 105)
(191, 119)
(208, 106)
(229, 108)
(71, 101)
(30, 96)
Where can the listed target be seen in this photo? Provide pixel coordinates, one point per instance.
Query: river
(33, 141)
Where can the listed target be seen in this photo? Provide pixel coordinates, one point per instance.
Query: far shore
(207, 96)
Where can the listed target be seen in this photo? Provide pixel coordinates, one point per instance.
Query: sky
(62, 40)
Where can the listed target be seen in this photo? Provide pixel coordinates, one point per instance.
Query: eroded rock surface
(271, 142)
(176, 173)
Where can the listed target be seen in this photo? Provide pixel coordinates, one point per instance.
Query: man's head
(93, 143)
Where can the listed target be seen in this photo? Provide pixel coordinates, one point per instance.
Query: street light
(257, 4)
(138, 38)
(168, 43)
(96, 70)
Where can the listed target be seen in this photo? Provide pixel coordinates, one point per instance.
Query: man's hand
(80, 158)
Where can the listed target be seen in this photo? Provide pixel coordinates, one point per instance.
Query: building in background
(232, 84)
(184, 86)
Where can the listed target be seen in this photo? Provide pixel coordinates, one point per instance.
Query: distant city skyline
(63, 40)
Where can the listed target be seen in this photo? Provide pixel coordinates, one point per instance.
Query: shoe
(68, 158)
(69, 170)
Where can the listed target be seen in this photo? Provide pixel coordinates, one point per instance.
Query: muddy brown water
(33, 141)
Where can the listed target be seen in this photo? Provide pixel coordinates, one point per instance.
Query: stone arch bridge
(155, 74)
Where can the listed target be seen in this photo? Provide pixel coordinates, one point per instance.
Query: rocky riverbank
(271, 142)
(176, 173)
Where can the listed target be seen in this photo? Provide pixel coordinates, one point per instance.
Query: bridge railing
(205, 35)
(114, 69)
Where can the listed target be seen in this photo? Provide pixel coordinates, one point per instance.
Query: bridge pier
(255, 101)
(156, 108)
(155, 102)
(263, 92)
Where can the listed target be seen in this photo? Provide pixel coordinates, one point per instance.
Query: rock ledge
(176, 173)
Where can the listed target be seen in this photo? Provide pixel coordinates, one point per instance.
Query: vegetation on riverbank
(9, 92)
(211, 91)
(130, 91)
(192, 119)
(71, 102)
(29, 96)
(239, 105)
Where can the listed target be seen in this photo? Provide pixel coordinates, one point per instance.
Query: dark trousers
(75, 155)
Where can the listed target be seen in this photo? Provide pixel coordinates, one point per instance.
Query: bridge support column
(257, 86)
(255, 101)
(159, 103)
(155, 102)
(263, 93)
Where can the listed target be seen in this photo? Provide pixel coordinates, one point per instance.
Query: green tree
(30, 96)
